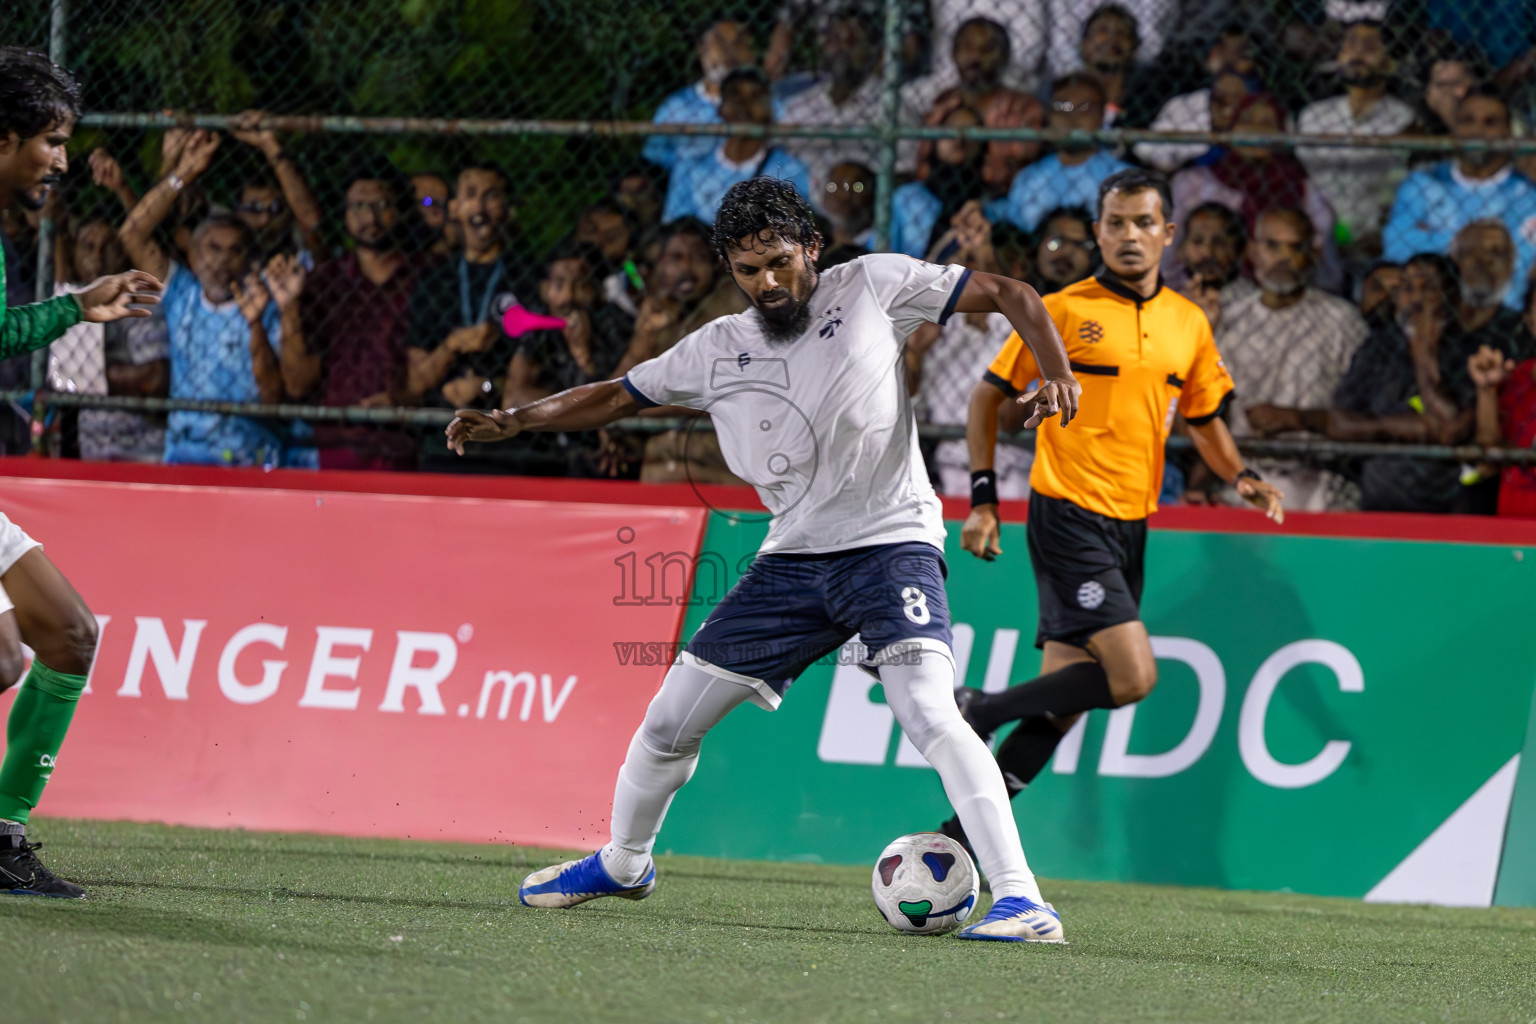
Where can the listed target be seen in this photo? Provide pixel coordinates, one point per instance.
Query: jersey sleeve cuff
(954, 297)
(1221, 407)
(638, 395)
(1006, 387)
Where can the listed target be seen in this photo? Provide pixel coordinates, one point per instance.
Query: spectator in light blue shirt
(1070, 176)
(698, 183)
(724, 47)
(1435, 203)
(211, 350)
(953, 178)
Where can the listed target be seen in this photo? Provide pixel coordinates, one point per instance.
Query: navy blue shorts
(789, 611)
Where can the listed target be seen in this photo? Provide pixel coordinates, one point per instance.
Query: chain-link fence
(347, 196)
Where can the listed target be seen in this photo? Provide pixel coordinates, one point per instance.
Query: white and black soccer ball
(925, 884)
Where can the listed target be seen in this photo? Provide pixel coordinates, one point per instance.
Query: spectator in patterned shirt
(1358, 183)
(724, 46)
(1287, 347)
(849, 95)
(225, 332)
(698, 183)
(125, 357)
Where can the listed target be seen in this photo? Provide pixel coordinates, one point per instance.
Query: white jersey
(822, 425)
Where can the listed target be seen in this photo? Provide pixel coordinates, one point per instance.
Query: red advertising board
(362, 664)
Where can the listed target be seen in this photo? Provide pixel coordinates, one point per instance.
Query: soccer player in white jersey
(809, 400)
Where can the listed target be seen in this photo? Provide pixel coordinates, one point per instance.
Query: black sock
(1026, 751)
(1080, 686)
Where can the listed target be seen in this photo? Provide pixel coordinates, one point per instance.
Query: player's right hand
(980, 533)
(474, 425)
(1050, 398)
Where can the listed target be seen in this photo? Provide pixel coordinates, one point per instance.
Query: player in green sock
(39, 104)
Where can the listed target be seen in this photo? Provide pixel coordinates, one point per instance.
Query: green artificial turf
(183, 924)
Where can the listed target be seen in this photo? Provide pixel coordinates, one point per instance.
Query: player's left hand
(1050, 398)
(119, 296)
(1261, 495)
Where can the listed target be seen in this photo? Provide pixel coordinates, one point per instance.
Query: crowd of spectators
(1356, 292)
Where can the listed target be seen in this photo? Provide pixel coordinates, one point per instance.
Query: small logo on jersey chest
(1091, 331)
(1090, 595)
(744, 360)
(831, 321)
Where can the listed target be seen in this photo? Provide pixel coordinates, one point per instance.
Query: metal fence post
(890, 114)
(58, 10)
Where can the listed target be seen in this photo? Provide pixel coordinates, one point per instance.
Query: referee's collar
(1112, 281)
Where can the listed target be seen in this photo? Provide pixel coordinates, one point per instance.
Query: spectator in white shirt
(1288, 347)
(1069, 20)
(1358, 182)
(850, 95)
(1110, 49)
(1205, 110)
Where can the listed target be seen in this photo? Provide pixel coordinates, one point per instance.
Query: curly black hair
(762, 209)
(35, 93)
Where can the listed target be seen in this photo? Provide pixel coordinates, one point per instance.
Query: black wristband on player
(983, 487)
(1247, 474)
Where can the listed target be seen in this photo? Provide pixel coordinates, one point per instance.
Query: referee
(1141, 353)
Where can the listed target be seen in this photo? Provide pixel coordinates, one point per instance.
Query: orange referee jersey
(1137, 361)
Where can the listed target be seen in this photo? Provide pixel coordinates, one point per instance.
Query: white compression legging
(692, 700)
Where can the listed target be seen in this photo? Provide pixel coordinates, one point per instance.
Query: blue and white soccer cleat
(1016, 919)
(577, 881)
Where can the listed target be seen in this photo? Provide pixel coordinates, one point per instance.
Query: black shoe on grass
(22, 874)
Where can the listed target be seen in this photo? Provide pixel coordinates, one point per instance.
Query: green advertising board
(1337, 716)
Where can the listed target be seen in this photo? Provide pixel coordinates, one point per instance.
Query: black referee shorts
(1088, 569)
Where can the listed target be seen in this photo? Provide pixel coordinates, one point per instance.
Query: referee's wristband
(1247, 474)
(983, 487)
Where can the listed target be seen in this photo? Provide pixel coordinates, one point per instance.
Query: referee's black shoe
(22, 874)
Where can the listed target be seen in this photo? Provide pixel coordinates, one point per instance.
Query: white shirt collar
(1476, 183)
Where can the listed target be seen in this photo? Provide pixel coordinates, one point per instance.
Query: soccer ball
(925, 884)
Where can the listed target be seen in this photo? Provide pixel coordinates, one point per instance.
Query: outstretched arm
(1214, 442)
(991, 293)
(193, 154)
(296, 191)
(582, 408)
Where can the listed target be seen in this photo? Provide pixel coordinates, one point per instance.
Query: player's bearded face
(779, 278)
